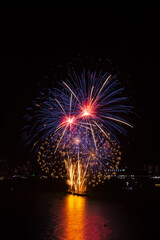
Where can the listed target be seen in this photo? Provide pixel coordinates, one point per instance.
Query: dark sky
(37, 37)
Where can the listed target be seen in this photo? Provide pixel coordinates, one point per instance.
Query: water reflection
(74, 213)
(77, 218)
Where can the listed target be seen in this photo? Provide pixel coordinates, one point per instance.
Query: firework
(81, 160)
(74, 128)
(100, 101)
(52, 115)
(90, 100)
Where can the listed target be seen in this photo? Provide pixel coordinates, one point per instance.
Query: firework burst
(100, 101)
(74, 128)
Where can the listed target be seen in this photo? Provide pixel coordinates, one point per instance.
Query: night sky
(39, 37)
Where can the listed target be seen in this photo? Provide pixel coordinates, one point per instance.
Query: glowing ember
(77, 140)
(86, 111)
(70, 120)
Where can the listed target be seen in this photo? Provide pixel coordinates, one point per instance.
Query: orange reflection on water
(83, 219)
(75, 214)
(77, 218)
